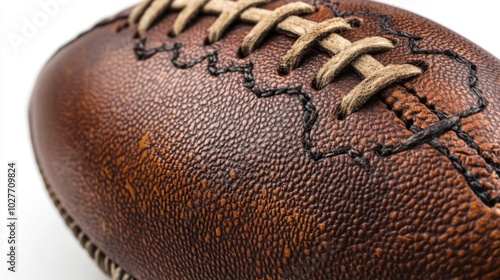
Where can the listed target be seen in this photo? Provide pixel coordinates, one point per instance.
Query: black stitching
(414, 45)
(249, 82)
(424, 136)
(446, 123)
(458, 130)
(420, 137)
(474, 183)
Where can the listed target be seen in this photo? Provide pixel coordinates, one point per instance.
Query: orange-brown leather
(194, 163)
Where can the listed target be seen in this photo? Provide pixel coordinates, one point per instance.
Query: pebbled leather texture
(194, 163)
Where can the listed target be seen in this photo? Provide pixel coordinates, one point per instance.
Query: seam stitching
(420, 136)
(481, 103)
(286, 19)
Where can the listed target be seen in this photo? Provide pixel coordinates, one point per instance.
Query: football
(258, 139)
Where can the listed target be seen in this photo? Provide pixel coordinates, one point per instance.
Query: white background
(47, 249)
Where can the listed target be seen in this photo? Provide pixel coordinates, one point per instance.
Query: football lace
(286, 19)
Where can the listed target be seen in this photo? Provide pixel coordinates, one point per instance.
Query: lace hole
(240, 54)
(424, 66)
(121, 27)
(355, 22)
(206, 42)
(282, 71)
(338, 113)
(171, 34)
(314, 85)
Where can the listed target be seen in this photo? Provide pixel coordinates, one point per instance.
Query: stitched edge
(108, 266)
(117, 273)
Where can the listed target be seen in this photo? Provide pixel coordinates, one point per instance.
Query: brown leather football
(257, 139)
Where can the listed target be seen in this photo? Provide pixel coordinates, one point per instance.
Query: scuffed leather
(187, 174)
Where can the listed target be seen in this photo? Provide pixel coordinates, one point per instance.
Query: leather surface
(178, 172)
